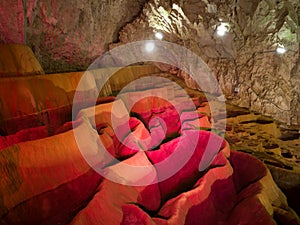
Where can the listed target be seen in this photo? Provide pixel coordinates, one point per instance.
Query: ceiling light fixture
(149, 46)
(159, 35)
(280, 49)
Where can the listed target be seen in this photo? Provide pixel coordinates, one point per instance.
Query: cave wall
(65, 35)
(244, 59)
(69, 35)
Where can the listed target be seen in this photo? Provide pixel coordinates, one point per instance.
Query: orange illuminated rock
(106, 113)
(24, 135)
(18, 60)
(34, 102)
(131, 137)
(36, 175)
(214, 198)
(181, 176)
(198, 145)
(106, 205)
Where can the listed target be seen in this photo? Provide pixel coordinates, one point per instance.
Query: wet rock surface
(273, 142)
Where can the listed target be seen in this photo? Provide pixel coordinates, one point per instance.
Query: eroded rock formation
(58, 153)
(69, 35)
(54, 180)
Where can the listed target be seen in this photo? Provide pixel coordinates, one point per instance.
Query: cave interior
(179, 112)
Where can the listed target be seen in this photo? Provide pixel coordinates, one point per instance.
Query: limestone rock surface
(250, 72)
(65, 35)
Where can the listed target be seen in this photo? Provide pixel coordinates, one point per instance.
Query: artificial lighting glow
(281, 49)
(159, 35)
(222, 29)
(149, 46)
(175, 6)
(163, 12)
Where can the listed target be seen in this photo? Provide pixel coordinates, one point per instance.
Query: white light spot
(159, 35)
(149, 46)
(175, 6)
(222, 29)
(281, 49)
(221, 32)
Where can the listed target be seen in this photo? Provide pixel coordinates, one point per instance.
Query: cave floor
(274, 143)
(269, 140)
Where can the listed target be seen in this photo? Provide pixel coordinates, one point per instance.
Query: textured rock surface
(244, 59)
(52, 182)
(45, 101)
(18, 60)
(33, 172)
(65, 35)
(270, 141)
(34, 192)
(12, 22)
(274, 143)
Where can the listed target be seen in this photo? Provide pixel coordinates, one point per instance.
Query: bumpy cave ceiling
(70, 35)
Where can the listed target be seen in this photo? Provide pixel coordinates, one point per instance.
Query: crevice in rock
(116, 37)
(288, 136)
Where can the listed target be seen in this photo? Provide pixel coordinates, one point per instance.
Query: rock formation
(150, 155)
(54, 180)
(47, 179)
(245, 62)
